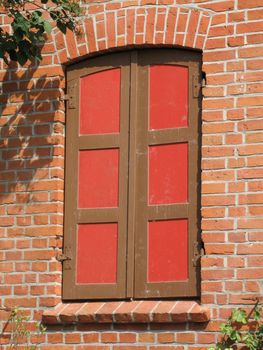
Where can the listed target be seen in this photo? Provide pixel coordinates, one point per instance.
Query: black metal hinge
(196, 85)
(71, 97)
(62, 257)
(198, 253)
(65, 258)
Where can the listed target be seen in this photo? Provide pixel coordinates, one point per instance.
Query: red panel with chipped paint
(168, 173)
(168, 102)
(167, 250)
(100, 102)
(98, 178)
(97, 253)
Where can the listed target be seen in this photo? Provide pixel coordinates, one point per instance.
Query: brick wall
(230, 33)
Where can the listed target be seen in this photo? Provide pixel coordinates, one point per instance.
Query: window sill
(127, 312)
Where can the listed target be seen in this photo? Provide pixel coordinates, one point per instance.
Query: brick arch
(120, 27)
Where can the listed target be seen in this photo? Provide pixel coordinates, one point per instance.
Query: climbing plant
(29, 21)
(242, 328)
(20, 330)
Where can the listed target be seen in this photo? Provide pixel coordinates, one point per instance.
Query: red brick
(250, 249)
(109, 337)
(218, 200)
(124, 312)
(166, 338)
(220, 6)
(255, 186)
(143, 311)
(181, 24)
(192, 28)
(250, 125)
(220, 249)
(171, 20)
(220, 79)
(127, 337)
(213, 164)
(219, 274)
(150, 22)
(245, 4)
(146, 337)
(250, 76)
(255, 64)
(212, 262)
(130, 26)
(213, 188)
(181, 311)
(213, 67)
(235, 41)
(73, 338)
(218, 18)
(105, 313)
(250, 150)
(249, 101)
(91, 337)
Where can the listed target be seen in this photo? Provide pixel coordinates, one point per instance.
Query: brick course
(32, 166)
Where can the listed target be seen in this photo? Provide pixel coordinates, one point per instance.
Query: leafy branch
(20, 332)
(233, 333)
(30, 23)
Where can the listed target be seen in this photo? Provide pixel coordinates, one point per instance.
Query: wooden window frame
(133, 212)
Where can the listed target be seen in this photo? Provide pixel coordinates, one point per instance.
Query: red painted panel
(100, 102)
(98, 178)
(97, 253)
(168, 97)
(168, 174)
(167, 250)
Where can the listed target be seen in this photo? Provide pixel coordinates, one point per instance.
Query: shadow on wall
(31, 131)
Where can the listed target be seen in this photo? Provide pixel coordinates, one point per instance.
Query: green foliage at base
(242, 329)
(20, 330)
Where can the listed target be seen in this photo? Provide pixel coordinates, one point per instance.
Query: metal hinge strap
(62, 257)
(196, 85)
(66, 258)
(72, 96)
(198, 253)
(65, 98)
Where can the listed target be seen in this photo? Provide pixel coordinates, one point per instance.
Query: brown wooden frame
(133, 212)
(73, 215)
(145, 138)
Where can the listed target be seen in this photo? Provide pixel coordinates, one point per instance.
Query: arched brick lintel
(155, 25)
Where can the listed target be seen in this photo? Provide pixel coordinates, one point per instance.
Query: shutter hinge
(62, 257)
(71, 97)
(65, 258)
(64, 98)
(204, 79)
(196, 85)
(198, 253)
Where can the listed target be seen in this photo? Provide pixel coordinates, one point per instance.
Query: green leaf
(48, 27)
(239, 316)
(13, 55)
(62, 27)
(28, 27)
(257, 313)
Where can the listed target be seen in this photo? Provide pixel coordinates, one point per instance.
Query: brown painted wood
(132, 174)
(190, 211)
(75, 216)
(98, 141)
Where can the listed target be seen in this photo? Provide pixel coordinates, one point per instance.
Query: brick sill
(127, 312)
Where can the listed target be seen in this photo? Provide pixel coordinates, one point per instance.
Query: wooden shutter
(96, 178)
(167, 176)
(132, 176)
